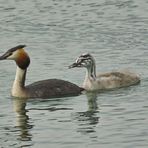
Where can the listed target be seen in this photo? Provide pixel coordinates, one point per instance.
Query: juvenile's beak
(73, 65)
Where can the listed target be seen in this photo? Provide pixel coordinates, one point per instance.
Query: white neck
(90, 78)
(19, 81)
(91, 72)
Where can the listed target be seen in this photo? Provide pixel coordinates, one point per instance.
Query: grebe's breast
(53, 88)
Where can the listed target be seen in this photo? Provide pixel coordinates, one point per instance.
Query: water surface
(115, 32)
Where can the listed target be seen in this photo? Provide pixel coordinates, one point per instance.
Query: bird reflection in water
(22, 119)
(88, 120)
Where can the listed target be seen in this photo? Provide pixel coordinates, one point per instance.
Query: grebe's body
(104, 81)
(41, 89)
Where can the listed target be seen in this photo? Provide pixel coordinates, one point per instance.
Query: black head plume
(16, 48)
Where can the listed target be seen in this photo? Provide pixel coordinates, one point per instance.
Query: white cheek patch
(13, 56)
(88, 62)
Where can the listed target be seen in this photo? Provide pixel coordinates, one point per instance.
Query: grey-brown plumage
(103, 81)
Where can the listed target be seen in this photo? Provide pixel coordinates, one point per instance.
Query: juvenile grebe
(41, 89)
(105, 81)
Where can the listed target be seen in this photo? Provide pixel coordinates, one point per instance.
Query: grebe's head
(84, 60)
(17, 54)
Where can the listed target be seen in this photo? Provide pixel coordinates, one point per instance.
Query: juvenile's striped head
(17, 54)
(84, 60)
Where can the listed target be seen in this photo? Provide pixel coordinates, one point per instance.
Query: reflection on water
(53, 104)
(88, 120)
(55, 32)
(92, 103)
(22, 123)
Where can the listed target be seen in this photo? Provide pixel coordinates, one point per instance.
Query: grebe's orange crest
(17, 54)
(22, 59)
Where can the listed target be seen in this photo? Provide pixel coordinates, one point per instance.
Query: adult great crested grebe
(104, 81)
(41, 89)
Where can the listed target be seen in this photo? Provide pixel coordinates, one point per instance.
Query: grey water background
(115, 32)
